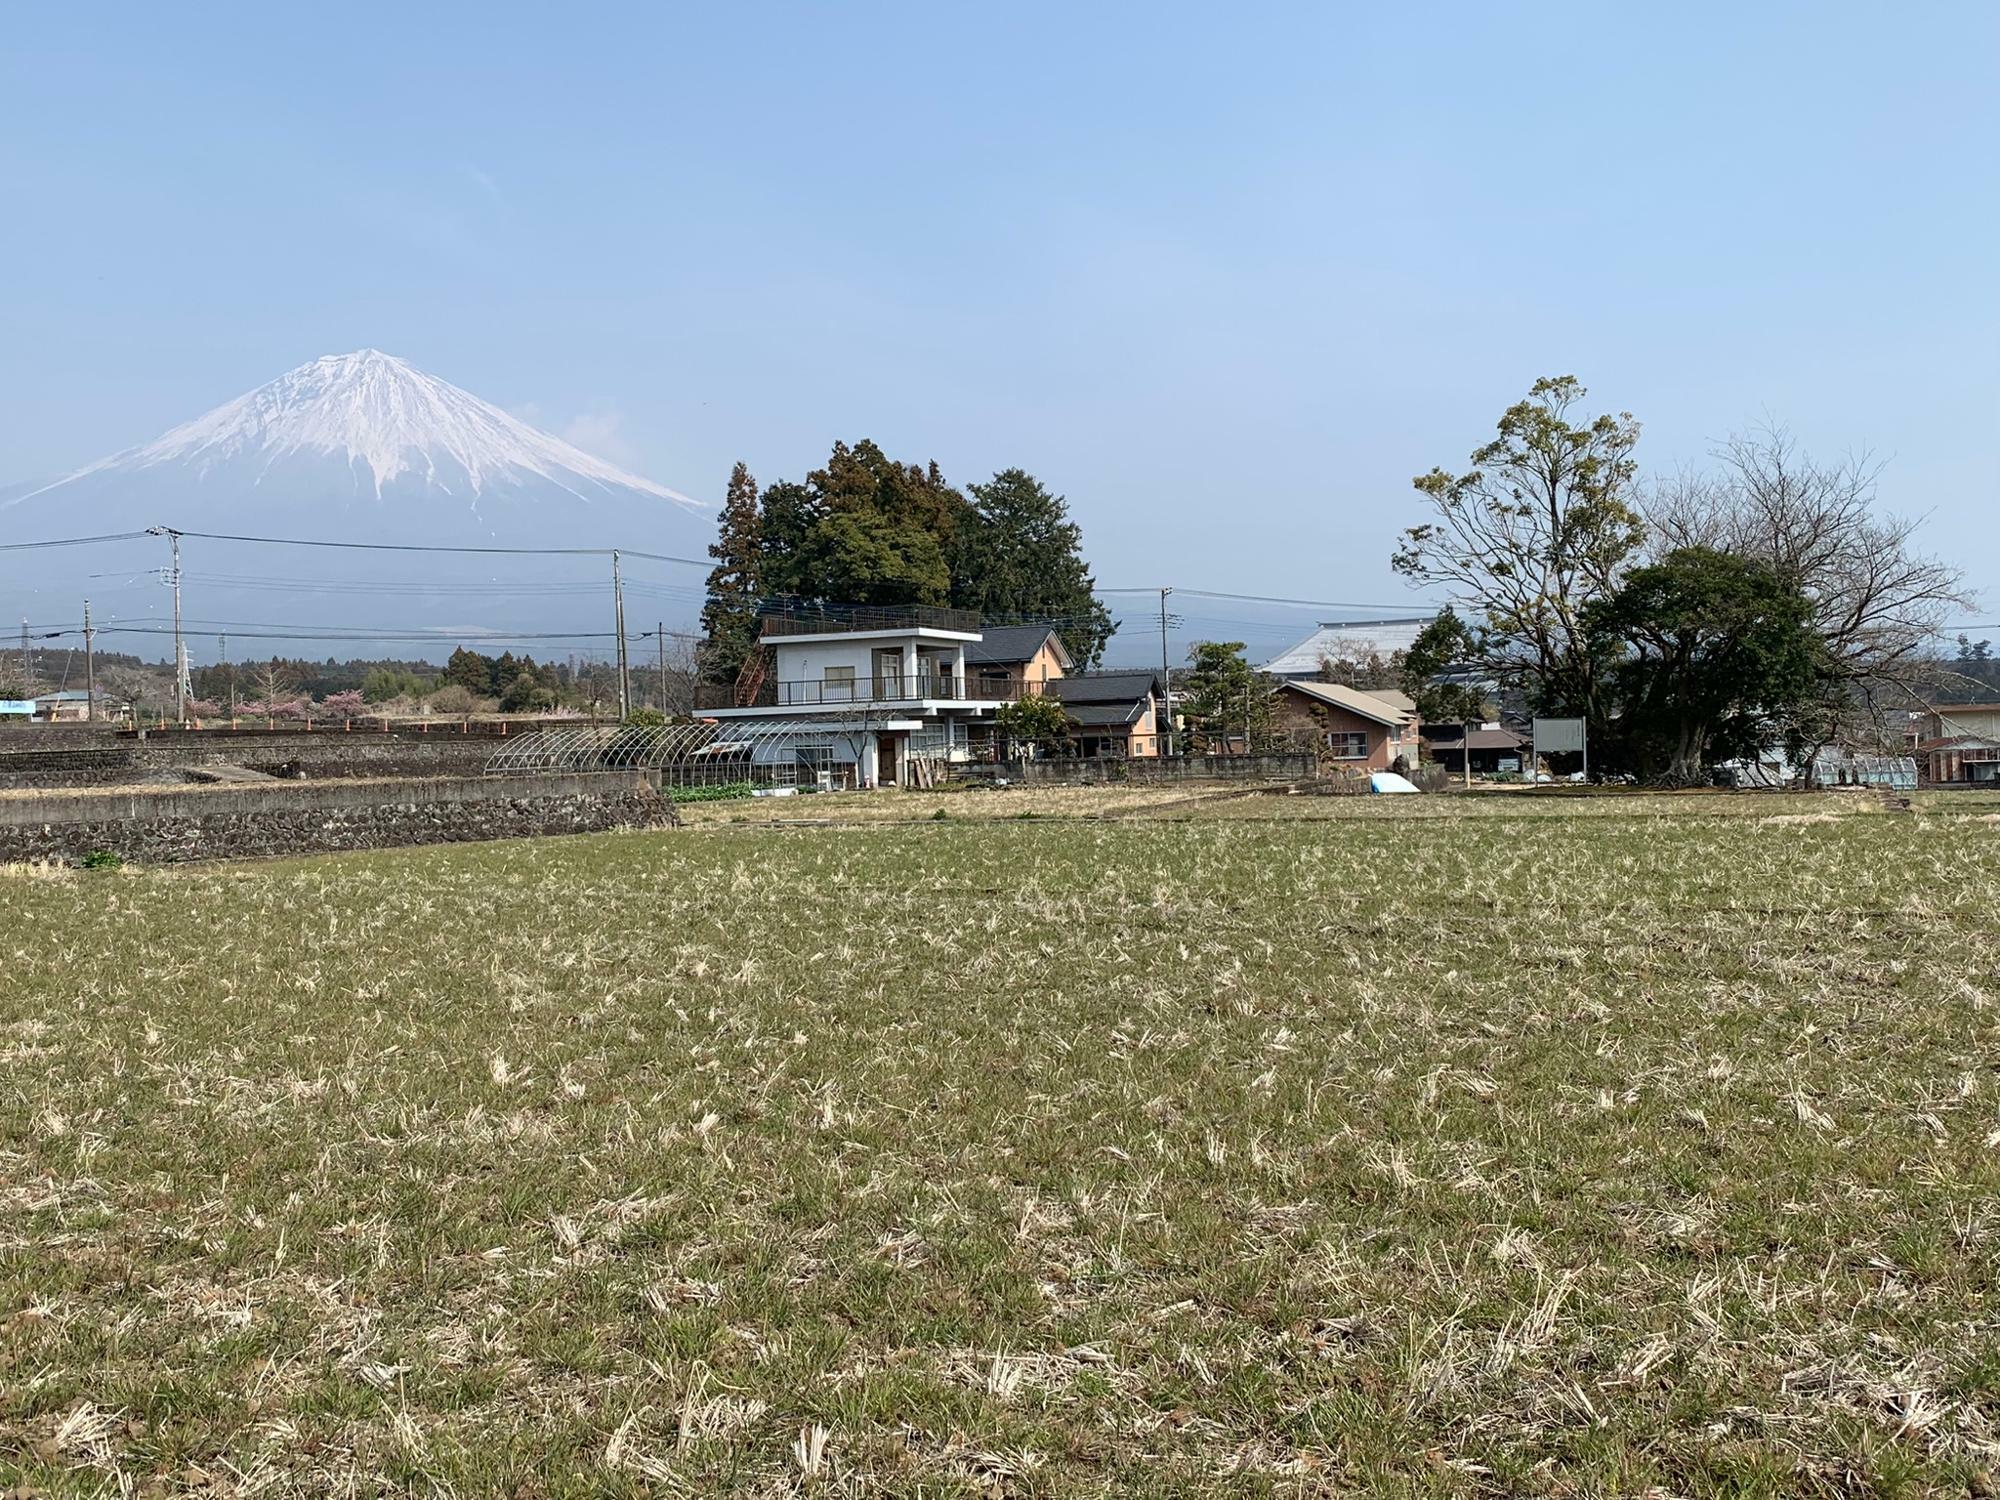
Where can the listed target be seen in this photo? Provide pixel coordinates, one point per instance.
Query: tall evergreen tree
(1225, 697)
(736, 582)
(787, 517)
(1020, 556)
(866, 529)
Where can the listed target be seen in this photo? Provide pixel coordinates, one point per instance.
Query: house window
(1348, 745)
(837, 686)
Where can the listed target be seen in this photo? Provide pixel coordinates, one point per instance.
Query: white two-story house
(862, 694)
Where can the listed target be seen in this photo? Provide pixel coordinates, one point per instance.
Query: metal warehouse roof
(1346, 638)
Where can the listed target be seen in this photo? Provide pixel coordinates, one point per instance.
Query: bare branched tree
(273, 680)
(682, 673)
(1878, 601)
(1365, 669)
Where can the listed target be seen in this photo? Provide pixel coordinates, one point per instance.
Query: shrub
(646, 718)
(526, 694)
(276, 708)
(387, 683)
(102, 859)
(1432, 777)
(728, 791)
(453, 698)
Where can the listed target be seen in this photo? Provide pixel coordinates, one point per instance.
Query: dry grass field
(1420, 1147)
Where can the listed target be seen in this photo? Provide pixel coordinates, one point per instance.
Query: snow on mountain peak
(380, 413)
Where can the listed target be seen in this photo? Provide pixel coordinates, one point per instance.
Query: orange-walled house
(1368, 731)
(1015, 660)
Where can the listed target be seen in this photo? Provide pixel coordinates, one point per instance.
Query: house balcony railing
(836, 619)
(864, 693)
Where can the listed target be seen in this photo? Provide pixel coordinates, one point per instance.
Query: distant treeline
(377, 680)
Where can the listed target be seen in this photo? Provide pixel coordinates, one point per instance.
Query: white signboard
(1561, 737)
(1558, 736)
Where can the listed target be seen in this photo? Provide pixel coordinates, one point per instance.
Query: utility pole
(624, 662)
(660, 634)
(222, 649)
(1166, 676)
(89, 667)
(180, 644)
(180, 649)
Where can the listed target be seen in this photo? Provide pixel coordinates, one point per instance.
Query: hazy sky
(1227, 276)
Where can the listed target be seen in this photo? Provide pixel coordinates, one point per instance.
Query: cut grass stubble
(1416, 1155)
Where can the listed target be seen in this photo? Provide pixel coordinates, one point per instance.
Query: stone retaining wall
(98, 765)
(61, 735)
(29, 760)
(323, 755)
(171, 824)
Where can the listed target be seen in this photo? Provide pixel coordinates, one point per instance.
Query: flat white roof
(901, 633)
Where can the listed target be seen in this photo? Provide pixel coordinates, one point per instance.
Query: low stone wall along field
(168, 825)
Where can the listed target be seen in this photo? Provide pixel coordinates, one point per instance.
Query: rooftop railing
(834, 619)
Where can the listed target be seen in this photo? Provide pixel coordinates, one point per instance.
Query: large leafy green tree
(1435, 676)
(786, 516)
(1539, 528)
(471, 670)
(861, 557)
(864, 529)
(1223, 696)
(1020, 556)
(1032, 721)
(1711, 655)
(736, 582)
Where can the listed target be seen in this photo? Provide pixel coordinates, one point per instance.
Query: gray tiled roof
(1009, 645)
(1105, 687)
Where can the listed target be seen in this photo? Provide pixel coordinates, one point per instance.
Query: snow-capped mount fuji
(354, 448)
(365, 427)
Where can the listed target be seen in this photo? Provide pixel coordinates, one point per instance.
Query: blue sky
(1227, 277)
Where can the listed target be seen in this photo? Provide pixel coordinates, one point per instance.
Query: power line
(295, 541)
(72, 541)
(309, 633)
